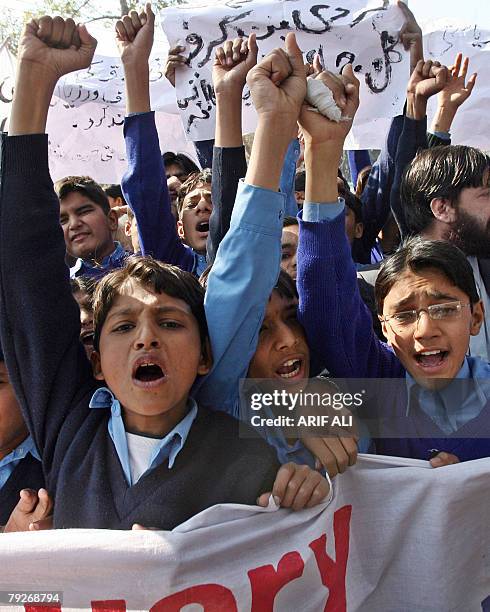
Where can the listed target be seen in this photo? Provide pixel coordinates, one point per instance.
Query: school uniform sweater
(27, 474)
(40, 326)
(339, 331)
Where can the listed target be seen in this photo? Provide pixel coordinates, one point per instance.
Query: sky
(474, 11)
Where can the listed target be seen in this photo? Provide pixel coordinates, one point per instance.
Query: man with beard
(446, 196)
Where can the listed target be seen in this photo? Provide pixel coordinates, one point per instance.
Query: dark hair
(84, 284)
(286, 287)
(179, 159)
(289, 220)
(416, 255)
(203, 279)
(439, 172)
(190, 184)
(300, 180)
(354, 203)
(161, 278)
(114, 191)
(362, 179)
(85, 185)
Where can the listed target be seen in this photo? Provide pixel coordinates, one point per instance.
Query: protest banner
(398, 536)
(358, 31)
(86, 120)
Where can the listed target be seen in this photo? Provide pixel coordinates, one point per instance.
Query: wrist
(135, 65)
(416, 106)
(36, 74)
(137, 78)
(443, 119)
(29, 112)
(269, 148)
(226, 93)
(321, 166)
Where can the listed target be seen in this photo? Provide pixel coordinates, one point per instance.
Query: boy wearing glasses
(428, 306)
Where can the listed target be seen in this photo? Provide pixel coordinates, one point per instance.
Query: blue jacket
(145, 189)
(339, 330)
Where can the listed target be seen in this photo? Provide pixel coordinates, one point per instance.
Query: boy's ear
(443, 210)
(477, 318)
(384, 328)
(180, 229)
(112, 220)
(359, 230)
(96, 365)
(127, 229)
(206, 360)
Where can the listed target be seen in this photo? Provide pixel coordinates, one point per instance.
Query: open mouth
(431, 359)
(203, 226)
(79, 237)
(289, 369)
(148, 373)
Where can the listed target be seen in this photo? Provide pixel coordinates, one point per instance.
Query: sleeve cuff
(258, 209)
(325, 211)
(442, 135)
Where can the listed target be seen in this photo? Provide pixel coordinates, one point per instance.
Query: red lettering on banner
(41, 608)
(109, 605)
(333, 572)
(212, 597)
(266, 582)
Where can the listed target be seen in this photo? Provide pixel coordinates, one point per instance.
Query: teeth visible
(430, 353)
(294, 372)
(291, 362)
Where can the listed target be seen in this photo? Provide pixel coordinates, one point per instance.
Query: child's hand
(55, 47)
(335, 454)
(442, 459)
(278, 82)
(32, 512)
(296, 487)
(232, 63)
(134, 36)
(318, 129)
(175, 59)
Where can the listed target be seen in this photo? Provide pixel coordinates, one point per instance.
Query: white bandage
(320, 97)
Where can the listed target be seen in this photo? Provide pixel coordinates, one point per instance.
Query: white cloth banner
(85, 121)
(357, 31)
(397, 537)
(7, 62)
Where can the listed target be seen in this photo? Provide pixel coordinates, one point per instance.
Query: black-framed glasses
(406, 320)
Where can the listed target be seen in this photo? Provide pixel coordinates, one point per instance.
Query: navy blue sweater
(339, 331)
(28, 474)
(53, 381)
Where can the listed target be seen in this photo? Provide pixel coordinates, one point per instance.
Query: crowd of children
(121, 402)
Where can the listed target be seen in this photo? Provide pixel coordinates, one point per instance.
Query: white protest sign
(396, 537)
(7, 74)
(358, 31)
(86, 120)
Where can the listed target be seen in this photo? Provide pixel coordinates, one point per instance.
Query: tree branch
(102, 17)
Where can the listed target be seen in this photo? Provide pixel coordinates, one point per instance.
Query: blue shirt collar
(21, 451)
(168, 447)
(455, 395)
(87, 267)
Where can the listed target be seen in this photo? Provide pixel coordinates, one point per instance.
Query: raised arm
(376, 198)
(337, 324)
(248, 259)
(455, 93)
(232, 64)
(427, 79)
(40, 320)
(144, 184)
